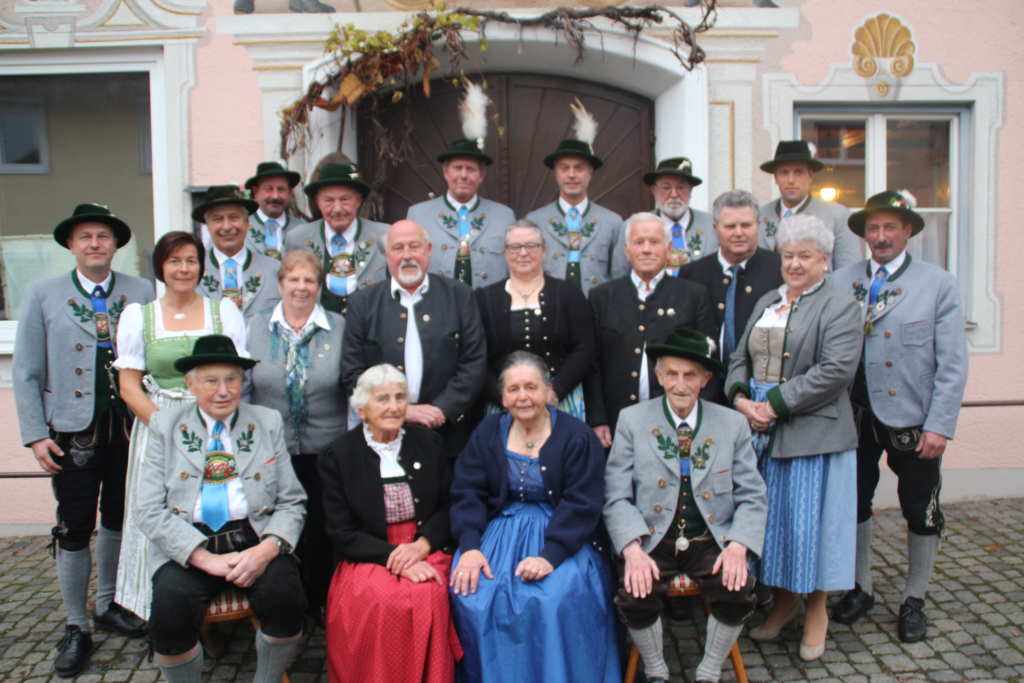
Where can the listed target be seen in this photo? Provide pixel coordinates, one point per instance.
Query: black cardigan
(354, 494)
(567, 341)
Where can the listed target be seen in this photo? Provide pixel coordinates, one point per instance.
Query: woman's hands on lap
(466, 574)
(421, 572)
(406, 555)
(534, 569)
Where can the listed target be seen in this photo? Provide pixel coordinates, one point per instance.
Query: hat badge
(353, 176)
(480, 144)
(238, 193)
(685, 166)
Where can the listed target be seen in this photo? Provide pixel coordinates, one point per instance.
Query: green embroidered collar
(323, 235)
(234, 419)
(473, 208)
(671, 418)
(287, 220)
(899, 271)
(800, 209)
(88, 295)
(245, 266)
(583, 215)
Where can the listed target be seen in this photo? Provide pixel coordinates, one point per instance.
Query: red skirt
(382, 627)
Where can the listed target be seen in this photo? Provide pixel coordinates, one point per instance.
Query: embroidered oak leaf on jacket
(668, 446)
(211, 283)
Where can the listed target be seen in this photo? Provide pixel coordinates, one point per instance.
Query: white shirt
(644, 290)
(388, 453)
(89, 286)
(772, 317)
(238, 506)
(725, 269)
(413, 349)
(239, 258)
(890, 267)
(282, 220)
(683, 221)
(317, 317)
(581, 207)
(458, 205)
(690, 419)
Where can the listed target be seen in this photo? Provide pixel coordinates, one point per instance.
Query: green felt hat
(218, 195)
(92, 213)
(690, 344)
(577, 148)
(337, 174)
(678, 166)
(464, 147)
(213, 349)
(792, 150)
(898, 202)
(272, 168)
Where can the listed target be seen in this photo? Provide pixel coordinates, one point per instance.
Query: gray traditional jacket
(257, 282)
(326, 401)
(820, 355)
(915, 354)
(600, 240)
(641, 481)
(487, 222)
(847, 248)
(257, 235)
(54, 368)
(172, 478)
(699, 231)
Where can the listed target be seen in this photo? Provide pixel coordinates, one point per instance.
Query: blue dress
(810, 540)
(561, 628)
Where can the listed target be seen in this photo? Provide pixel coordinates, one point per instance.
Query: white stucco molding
(58, 24)
(983, 93)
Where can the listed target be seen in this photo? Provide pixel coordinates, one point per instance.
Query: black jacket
(565, 342)
(624, 324)
(354, 494)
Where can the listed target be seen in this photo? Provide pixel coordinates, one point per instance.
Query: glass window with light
(905, 150)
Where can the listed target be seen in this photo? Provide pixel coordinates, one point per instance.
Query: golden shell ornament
(883, 37)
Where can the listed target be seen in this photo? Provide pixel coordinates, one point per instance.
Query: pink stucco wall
(22, 501)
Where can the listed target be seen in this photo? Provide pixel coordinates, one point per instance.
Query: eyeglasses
(530, 247)
(213, 383)
(677, 189)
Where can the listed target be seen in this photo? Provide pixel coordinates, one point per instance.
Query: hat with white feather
(473, 112)
(583, 145)
(902, 203)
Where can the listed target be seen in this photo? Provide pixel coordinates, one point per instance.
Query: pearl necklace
(181, 316)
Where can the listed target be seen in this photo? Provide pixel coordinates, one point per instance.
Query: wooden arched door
(535, 114)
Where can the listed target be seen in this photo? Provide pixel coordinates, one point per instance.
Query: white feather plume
(814, 150)
(712, 347)
(911, 199)
(473, 111)
(586, 126)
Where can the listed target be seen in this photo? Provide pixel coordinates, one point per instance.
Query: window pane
(931, 244)
(20, 141)
(841, 146)
(918, 160)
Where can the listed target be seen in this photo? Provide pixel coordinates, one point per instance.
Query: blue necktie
(214, 496)
(230, 274)
(463, 222)
(789, 212)
(337, 285)
(684, 433)
(675, 260)
(99, 315)
(876, 285)
(574, 226)
(270, 241)
(729, 324)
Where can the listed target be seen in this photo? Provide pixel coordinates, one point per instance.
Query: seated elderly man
(683, 495)
(221, 505)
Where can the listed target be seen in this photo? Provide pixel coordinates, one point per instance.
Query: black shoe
(72, 652)
(120, 621)
(215, 645)
(853, 606)
(319, 615)
(678, 609)
(765, 596)
(913, 623)
(310, 6)
(244, 7)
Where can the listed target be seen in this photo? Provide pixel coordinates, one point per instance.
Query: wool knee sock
(863, 566)
(717, 645)
(923, 551)
(273, 657)
(649, 644)
(189, 671)
(73, 569)
(108, 548)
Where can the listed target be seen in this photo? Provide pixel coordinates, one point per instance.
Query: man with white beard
(693, 231)
(412, 318)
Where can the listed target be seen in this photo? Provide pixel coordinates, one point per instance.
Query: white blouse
(131, 346)
(772, 317)
(388, 453)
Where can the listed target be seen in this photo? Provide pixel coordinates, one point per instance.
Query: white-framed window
(23, 144)
(917, 149)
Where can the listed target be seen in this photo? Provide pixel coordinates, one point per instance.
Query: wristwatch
(283, 546)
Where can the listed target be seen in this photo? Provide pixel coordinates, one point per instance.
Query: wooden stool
(682, 586)
(233, 603)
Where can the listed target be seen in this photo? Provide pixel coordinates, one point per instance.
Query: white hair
(426, 236)
(643, 217)
(371, 379)
(518, 359)
(735, 199)
(803, 227)
(522, 223)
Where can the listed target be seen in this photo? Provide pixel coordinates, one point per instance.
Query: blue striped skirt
(810, 540)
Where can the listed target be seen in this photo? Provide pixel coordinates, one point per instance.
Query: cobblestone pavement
(976, 608)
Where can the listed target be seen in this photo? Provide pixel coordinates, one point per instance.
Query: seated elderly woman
(790, 376)
(386, 505)
(526, 503)
(221, 506)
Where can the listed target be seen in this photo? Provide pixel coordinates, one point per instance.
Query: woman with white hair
(789, 376)
(386, 506)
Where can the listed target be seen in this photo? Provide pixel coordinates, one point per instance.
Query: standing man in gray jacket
(72, 416)
(906, 394)
(584, 236)
(271, 188)
(467, 231)
(794, 167)
(683, 496)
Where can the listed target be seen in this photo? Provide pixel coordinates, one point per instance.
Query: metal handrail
(25, 475)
